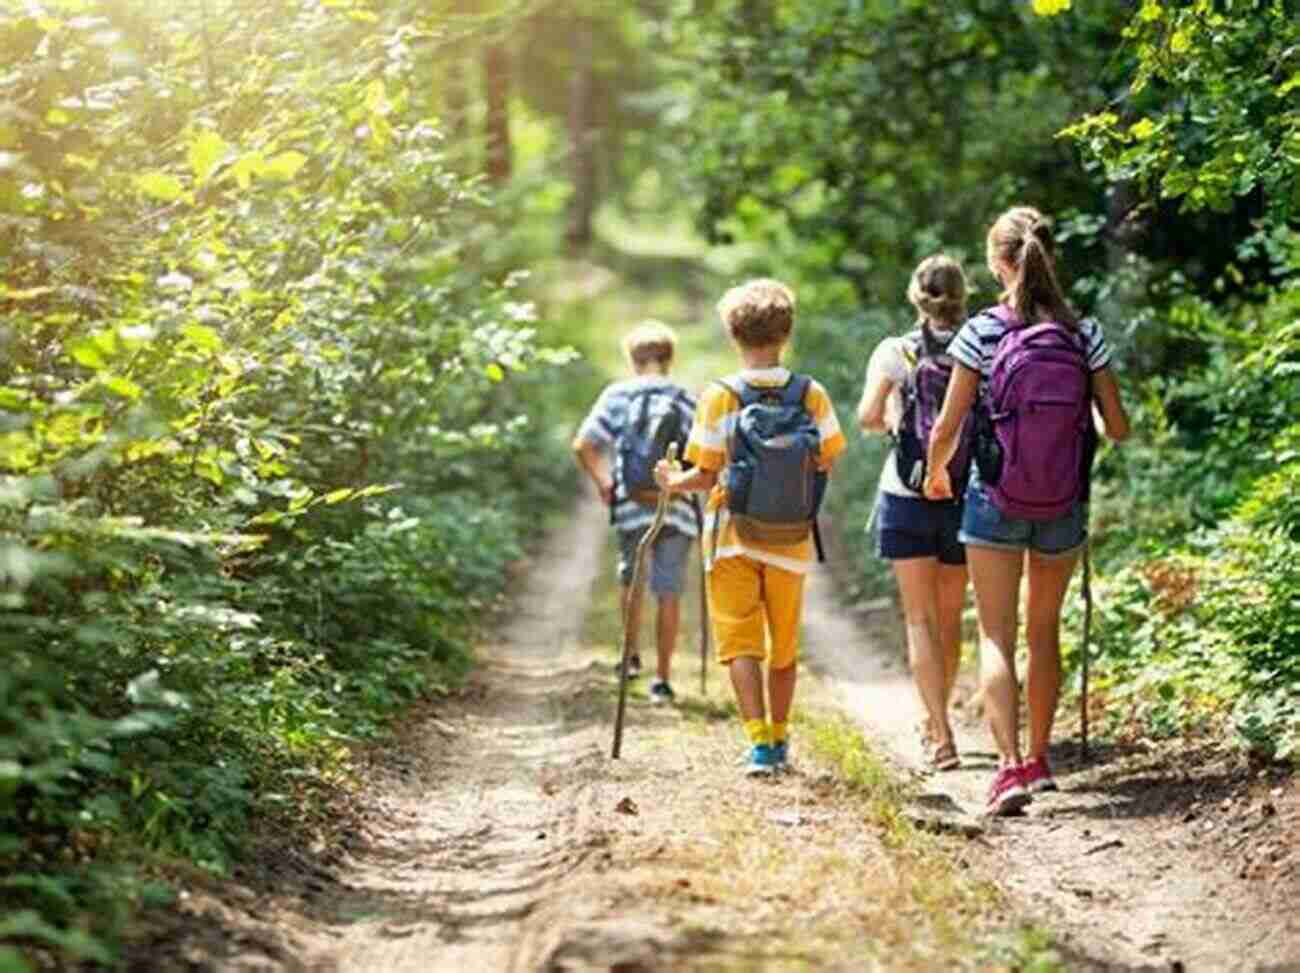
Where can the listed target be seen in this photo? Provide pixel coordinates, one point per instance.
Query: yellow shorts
(755, 609)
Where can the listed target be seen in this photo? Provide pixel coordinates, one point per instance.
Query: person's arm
(591, 460)
(885, 372)
(673, 479)
(871, 409)
(962, 389)
(1113, 416)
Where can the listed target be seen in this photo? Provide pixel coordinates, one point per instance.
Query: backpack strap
(796, 389)
(641, 397)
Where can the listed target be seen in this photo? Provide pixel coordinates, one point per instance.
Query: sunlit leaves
(161, 186)
(1050, 8)
(284, 166)
(206, 151)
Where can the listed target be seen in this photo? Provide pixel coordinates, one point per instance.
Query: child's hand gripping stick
(634, 592)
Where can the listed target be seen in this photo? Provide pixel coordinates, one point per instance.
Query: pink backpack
(1038, 415)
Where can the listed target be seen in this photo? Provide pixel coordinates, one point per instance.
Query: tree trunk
(496, 81)
(582, 139)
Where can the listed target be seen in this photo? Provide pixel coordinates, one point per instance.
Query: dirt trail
(499, 836)
(1121, 864)
(449, 882)
(509, 841)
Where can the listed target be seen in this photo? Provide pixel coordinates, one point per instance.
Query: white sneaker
(661, 692)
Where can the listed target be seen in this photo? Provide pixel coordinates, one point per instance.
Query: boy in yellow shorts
(762, 443)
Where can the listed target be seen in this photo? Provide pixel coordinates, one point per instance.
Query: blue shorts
(665, 562)
(909, 527)
(984, 525)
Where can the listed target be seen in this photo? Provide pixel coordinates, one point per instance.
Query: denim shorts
(909, 527)
(665, 562)
(984, 525)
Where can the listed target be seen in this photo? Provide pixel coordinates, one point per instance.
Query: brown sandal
(944, 757)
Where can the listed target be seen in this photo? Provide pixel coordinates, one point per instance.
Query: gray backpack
(773, 481)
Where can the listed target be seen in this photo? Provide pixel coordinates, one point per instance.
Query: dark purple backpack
(1038, 415)
(923, 393)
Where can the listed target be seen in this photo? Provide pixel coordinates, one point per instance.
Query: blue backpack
(654, 421)
(773, 480)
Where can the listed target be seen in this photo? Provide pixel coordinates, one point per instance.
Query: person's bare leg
(780, 692)
(1049, 578)
(952, 599)
(918, 584)
(996, 576)
(747, 681)
(666, 625)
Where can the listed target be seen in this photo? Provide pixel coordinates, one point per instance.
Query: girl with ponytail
(1038, 371)
(906, 380)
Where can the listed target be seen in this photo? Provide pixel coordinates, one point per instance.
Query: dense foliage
(268, 427)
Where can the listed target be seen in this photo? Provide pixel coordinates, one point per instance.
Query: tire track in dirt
(1115, 873)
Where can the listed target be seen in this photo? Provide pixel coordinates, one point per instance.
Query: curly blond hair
(758, 313)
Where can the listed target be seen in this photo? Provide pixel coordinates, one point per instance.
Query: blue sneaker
(781, 755)
(762, 761)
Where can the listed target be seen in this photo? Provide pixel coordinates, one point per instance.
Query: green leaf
(1143, 129)
(85, 351)
(245, 167)
(205, 154)
(11, 961)
(202, 336)
(337, 496)
(1050, 8)
(122, 386)
(161, 186)
(285, 165)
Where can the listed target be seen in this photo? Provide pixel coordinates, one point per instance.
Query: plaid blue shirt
(609, 419)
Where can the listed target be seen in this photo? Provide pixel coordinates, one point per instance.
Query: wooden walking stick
(634, 592)
(704, 621)
(1087, 635)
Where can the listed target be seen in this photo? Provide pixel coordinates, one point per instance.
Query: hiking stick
(1087, 634)
(704, 621)
(633, 593)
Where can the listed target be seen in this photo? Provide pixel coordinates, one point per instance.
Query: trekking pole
(634, 593)
(1087, 635)
(704, 622)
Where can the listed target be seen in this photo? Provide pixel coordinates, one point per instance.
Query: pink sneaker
(1007, 795)
(1036, 775)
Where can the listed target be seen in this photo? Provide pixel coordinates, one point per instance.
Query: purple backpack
(923, 394)
(1038, 416)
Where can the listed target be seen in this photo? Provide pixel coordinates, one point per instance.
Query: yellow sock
(779, 732)
(758, 731)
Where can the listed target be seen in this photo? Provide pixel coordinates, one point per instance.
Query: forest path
(498, 834)
(1126, 864)
(510, 841)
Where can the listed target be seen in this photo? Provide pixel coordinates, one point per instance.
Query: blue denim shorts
(909, 527)
(665, 562)
(984, 525)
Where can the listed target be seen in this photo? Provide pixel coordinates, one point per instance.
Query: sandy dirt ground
(1164, 857)
(497, 834)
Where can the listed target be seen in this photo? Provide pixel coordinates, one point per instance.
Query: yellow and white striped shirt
(715, 419)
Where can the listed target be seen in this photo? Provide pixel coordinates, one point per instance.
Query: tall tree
(496, 88)
(582, 136)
